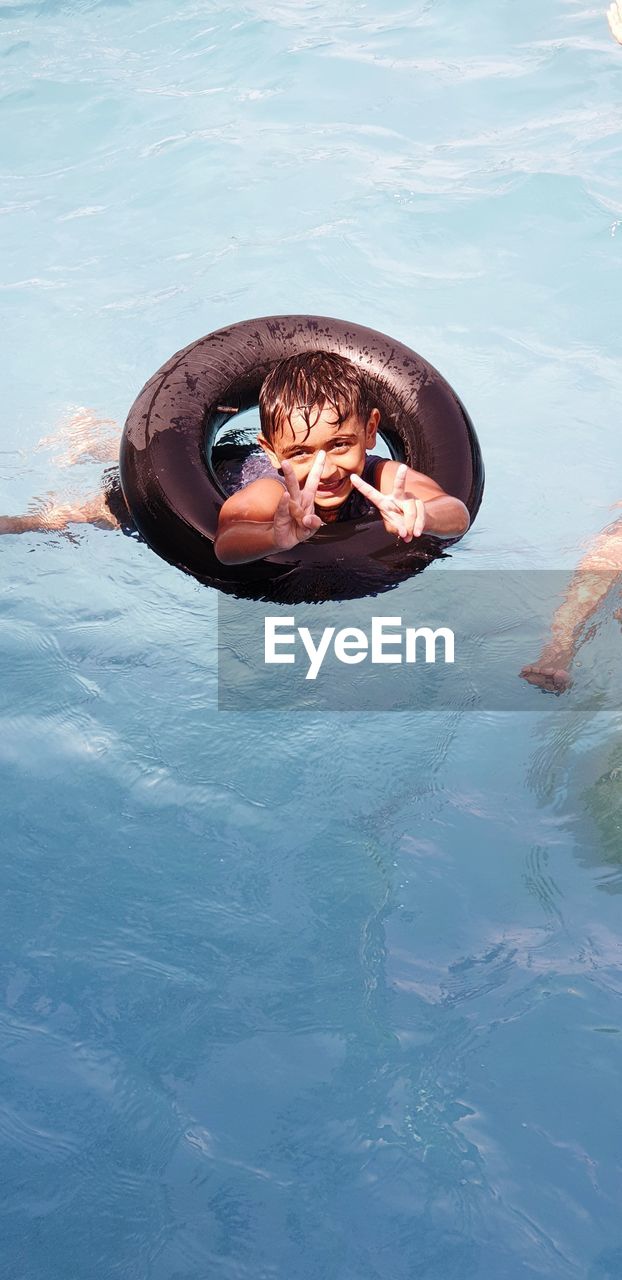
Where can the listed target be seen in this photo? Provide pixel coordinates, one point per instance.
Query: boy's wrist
(445, 517)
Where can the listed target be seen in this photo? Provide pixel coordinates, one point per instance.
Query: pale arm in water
(84, 437)
(594, 577)
(614, 18)
(51, 516)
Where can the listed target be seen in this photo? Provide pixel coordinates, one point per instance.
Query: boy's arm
(594, 577)
(445, 517)
(264, 518)
(246, 523)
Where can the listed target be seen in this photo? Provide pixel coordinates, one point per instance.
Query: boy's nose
(328, 471)
(311, 461)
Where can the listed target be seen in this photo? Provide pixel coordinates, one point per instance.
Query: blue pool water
(304, 997)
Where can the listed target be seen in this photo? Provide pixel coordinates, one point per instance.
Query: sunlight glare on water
(291, 996)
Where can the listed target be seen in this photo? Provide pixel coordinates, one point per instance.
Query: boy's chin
(330, 504)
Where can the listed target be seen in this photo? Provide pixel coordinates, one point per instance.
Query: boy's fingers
(409, 515)
(290, 508)
(368, 491)
(419, 524)
(314, 476)
(289, 476)
(312, 522)
(398, 509)
(282, 518)
(398, 527)
(283, 505)
(399, 483)
(407, 519)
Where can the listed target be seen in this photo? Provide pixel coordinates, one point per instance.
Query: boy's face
(345, 445)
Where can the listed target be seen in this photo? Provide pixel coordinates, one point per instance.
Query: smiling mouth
(331, 488)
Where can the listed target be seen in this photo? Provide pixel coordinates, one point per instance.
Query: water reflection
(576, 771)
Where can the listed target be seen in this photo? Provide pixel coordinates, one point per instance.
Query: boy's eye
(336, 444)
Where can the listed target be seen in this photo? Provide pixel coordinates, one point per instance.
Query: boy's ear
(267, 448)
(371, 429)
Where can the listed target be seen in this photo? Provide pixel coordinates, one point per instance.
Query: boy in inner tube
(317, 422)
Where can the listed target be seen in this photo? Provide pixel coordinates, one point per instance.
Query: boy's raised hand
(295, 519)
(402, 513)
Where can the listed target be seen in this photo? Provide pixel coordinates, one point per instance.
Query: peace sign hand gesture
(402, 513)
(295, 519)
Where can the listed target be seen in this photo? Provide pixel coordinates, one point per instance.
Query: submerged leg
(84, 437)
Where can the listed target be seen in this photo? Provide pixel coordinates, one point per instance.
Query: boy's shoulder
(256, 501)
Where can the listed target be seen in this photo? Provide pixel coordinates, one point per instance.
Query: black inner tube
(171, 463)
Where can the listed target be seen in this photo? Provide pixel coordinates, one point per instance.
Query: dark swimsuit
(355, 507)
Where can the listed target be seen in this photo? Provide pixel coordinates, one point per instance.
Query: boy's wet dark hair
(308, 382)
